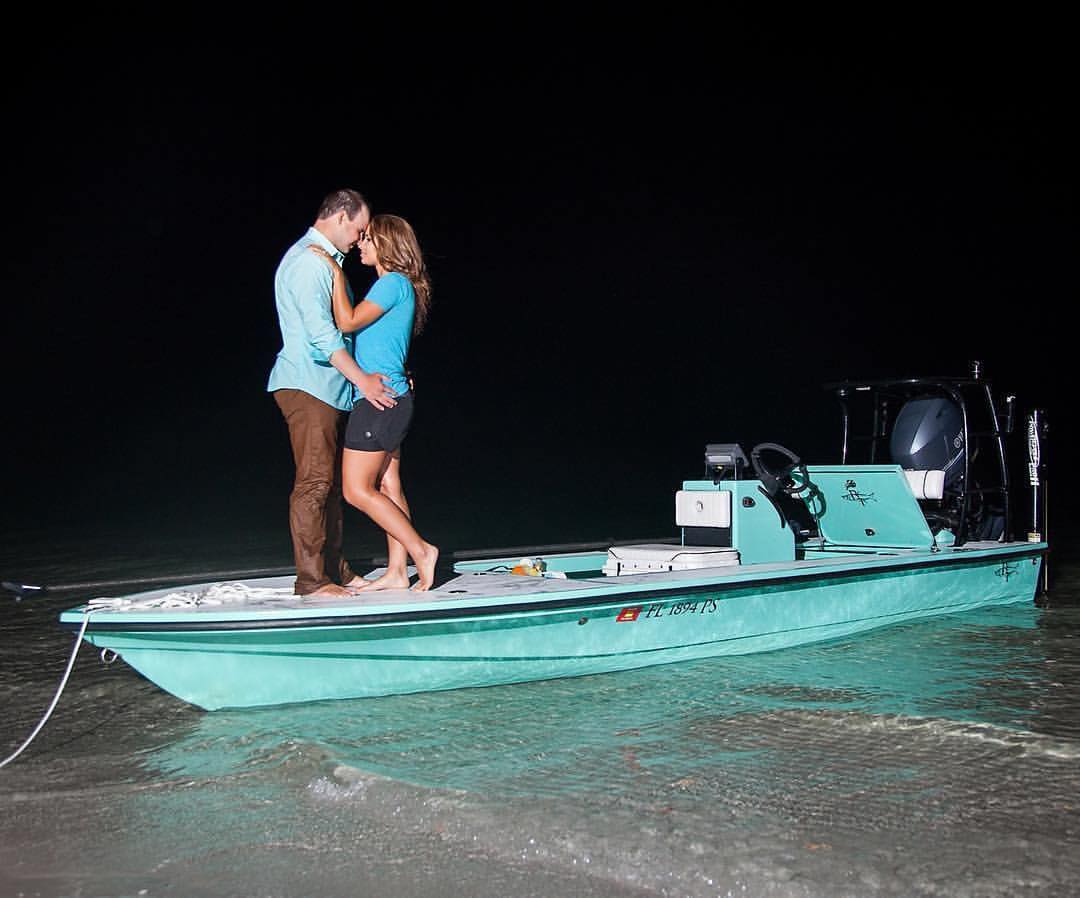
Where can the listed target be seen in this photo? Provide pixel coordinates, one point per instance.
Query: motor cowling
(928, 435)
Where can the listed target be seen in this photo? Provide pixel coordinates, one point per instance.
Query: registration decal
(667, 609)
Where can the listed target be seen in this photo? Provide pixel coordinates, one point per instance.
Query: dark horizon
(622, 273)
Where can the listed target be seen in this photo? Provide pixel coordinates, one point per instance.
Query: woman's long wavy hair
(397, 249)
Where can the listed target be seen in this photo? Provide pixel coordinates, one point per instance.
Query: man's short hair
(351, 201)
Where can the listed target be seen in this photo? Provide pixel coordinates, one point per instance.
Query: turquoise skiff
(789, 556)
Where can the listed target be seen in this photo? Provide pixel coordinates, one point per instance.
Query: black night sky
(629, 261)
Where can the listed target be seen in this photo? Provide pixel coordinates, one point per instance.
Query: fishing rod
(24, 590)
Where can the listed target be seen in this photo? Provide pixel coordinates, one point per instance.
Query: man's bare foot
(331, 590)
(425, 568)
(389, 580)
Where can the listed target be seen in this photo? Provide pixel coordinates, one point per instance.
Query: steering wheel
(778, 480)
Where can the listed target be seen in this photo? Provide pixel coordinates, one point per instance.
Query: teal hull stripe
(353, 656)
(582, 601)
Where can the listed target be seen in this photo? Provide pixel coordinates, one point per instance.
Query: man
(312, 382)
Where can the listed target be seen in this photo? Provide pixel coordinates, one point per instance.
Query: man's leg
(314, 428)
(336, 567)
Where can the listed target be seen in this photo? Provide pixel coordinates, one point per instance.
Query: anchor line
(59, 691)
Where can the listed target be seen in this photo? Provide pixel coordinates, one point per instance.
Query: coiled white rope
(59, 692)
(217, 594)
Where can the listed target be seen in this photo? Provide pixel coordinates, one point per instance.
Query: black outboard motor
(948, 424)
(928, 435)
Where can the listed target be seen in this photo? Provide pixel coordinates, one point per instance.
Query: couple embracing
(341, 357)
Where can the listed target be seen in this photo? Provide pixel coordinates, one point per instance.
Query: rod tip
(19, 590)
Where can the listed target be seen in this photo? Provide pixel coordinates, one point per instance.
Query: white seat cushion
(653, 557)
(666, 553)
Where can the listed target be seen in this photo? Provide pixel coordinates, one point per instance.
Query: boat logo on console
(1006, 570)
(853, 494)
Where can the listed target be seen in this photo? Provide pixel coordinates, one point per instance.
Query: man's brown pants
(315, 511)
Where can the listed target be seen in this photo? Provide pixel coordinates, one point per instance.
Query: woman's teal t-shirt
(383, 345)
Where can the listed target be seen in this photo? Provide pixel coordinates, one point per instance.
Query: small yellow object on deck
(530, 567)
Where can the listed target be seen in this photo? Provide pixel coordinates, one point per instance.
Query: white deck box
(652, 557)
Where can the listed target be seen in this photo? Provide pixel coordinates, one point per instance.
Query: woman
(394, 309)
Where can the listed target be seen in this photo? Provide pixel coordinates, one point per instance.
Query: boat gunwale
(634, 594)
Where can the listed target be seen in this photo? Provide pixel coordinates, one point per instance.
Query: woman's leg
(390, 486)
(361, 475)
(397, 566)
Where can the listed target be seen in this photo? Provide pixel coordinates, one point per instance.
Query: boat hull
(253, 661)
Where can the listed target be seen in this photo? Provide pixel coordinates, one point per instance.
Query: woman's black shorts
(373, 429)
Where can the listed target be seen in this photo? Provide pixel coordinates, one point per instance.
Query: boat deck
(272, 598)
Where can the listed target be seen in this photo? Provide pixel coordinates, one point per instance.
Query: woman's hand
(330, 260)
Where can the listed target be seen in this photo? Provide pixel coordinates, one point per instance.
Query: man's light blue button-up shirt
(303, 286)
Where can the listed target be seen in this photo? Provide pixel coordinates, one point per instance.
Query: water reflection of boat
(974, 668)
(919, 525)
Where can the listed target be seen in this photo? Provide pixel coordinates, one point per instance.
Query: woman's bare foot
(358, 584)
(389, 580)
(425, 568)
(331, 590)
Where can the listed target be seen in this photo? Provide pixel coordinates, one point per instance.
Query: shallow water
(933, 758)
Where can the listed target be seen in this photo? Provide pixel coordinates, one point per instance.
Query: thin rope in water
(59, 692)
